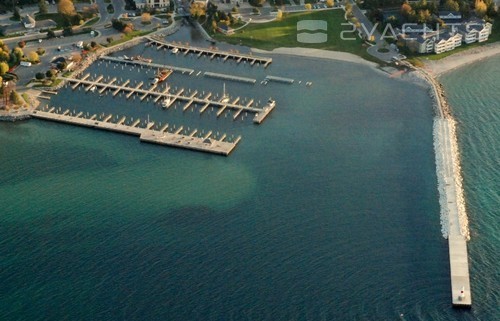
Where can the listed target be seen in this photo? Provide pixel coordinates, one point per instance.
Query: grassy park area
(283, 33)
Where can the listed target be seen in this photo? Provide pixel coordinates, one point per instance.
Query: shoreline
(318, 53)
(460, 59)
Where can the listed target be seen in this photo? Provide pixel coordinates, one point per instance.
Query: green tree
(4, 67)
(42, 7)
(39, 75)
(51, 34)
(51, 73)
(16, 15)
(451, 5)
(18, 52)
(40, 51)
(33, 57)
(15, 98)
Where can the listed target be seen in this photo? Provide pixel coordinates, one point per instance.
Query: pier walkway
(453, 215)
(146, 134)
(147, 64)
(212, 53)
(457, 243)
(157, 94)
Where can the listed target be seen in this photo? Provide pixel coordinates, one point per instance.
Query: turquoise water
(327, 211)
(473, 95)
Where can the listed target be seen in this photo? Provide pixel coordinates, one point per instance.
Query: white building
(475, 31)
(438, 42)
(140, 4)
(28, 22)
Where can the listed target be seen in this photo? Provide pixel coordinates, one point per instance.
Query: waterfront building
(140, 4)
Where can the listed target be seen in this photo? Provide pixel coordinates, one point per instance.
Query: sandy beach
(318, 53)
(439, 67)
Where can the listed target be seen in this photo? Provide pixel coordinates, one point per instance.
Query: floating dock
(146, 134)
(148, 64)
(212, 53)
(230, 77)
(157, 94)
(280, 79)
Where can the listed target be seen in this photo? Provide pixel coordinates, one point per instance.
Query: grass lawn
(56, 17)
(283, 33)
(127, 37)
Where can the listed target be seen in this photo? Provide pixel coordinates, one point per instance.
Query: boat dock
(204, 100)
(212, 53)
(146, 134)
(148, 64)
(229, 77)
(280, 79)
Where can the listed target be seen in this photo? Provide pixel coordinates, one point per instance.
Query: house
(140, 4)
(447, 41)
(475, 31)
(28, 22)
(450, 16)
(435, 42)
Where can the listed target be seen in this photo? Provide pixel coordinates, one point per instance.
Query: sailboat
(167, 101)
(225, 97)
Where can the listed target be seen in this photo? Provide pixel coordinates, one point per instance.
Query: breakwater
(453, 216)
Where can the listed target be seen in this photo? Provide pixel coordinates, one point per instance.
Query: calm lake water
(327, 211)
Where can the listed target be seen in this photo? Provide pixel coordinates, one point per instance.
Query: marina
(205, 100)
(146, 134)
(211, 53)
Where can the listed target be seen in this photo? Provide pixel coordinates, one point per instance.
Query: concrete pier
(212, 53)
(204, 144)
(453, 214)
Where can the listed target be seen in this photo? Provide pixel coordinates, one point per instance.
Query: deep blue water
(327, 211)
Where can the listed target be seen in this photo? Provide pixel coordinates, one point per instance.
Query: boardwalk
(146, 134)
(164, 94)
(212, 53)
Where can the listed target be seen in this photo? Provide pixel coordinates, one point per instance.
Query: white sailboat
(225, 97)
(167, 101)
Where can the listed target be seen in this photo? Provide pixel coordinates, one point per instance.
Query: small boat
(271, 102)
(225, 97)
(93, 88)
(175, 50)
(140, 58)
(125, 57)
(167, 102)
(162, 75)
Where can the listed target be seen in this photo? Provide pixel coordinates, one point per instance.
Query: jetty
(146, 134)
(211, 52)
(453, 215)
(156, 93)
